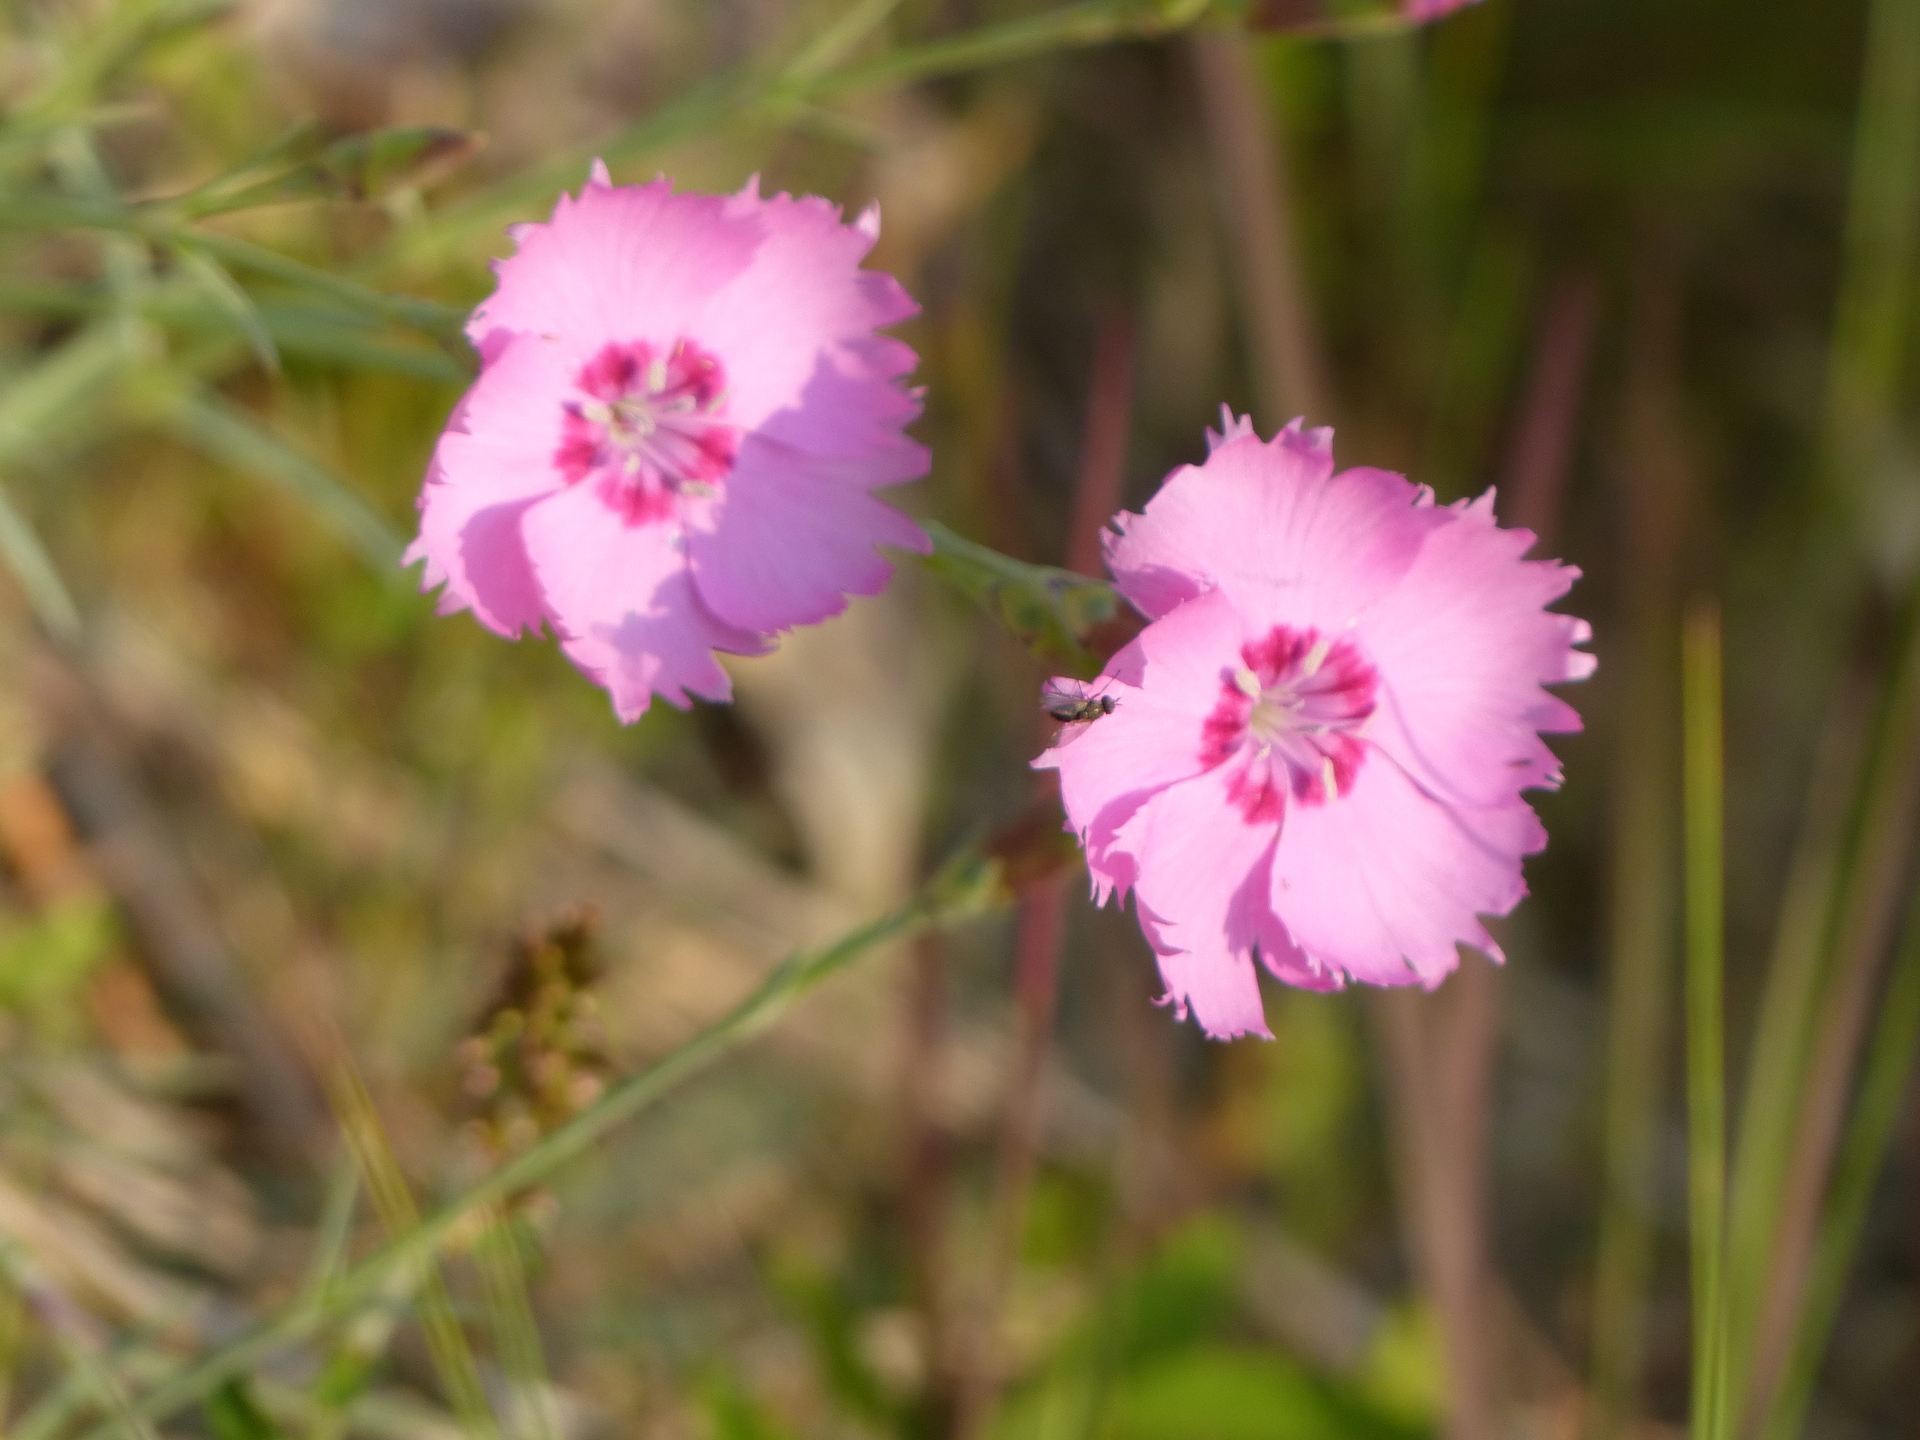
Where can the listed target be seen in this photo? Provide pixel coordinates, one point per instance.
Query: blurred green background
(315, 904)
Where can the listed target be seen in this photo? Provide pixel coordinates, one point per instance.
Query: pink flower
(1317, 747)
(681, 414)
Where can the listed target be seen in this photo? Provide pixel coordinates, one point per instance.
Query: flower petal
(1202, 898)
(1272, 524)
(1382, 883)
(626, 263)
(788, 542)
(495, 458)
(1164, 685)
(795, 328)
(1463, 645)
(624, 604)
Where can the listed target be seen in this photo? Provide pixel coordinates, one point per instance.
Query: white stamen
(1317, 656)
(1248, 682)
(657, 375)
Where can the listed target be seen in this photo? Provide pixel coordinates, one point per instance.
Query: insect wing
(1075, 705)
(1064, 700)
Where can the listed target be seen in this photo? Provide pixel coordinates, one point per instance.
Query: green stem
(1883, 223)
(784, 96)
(1093, 22)
(1876, 1114)
(964, 887)
(1706, 1063)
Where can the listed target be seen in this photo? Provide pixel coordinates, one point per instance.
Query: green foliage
(305, 165)
(733, 1414)
(44, 961)
(233, 1414)
(830, 1318)
(1051, 611)
(1184, 1293)
(1166, 1353)
(1404, 1375)
(1221, 1392)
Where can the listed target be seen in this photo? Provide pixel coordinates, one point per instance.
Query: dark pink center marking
(1288, 719)
(647, 429)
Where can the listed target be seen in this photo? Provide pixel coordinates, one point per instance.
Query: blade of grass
(1783, 1032)
(101, 45)
(225, 432)
(13, 1333)
(839, 39)
(1243, 134)
(1882, 226)
(1865, 366)
(966, 886)
(76, 1335)
(753, 96)
(1704, 803)
(1876, 1114)
(516, 1329)
(444, 322)
(335, 1228)
(231, 300)
(38, 406)
(1875, 872)
(34, 571)
(1655, 476)
(1093, 22)
(366, 1138)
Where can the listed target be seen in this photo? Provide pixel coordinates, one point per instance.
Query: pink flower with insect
(1314, 752)
(682, 412)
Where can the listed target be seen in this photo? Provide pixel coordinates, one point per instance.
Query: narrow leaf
(966, 886)
(33, 570)
(232, 301)
(233, 1414)
(1870, 1131)
(1706, 1063)
(356, 167)
(225, 432)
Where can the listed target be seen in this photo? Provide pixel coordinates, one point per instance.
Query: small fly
(1073, 704)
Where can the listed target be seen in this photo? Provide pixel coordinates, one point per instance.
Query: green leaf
(231, 300)
(749, 94)
(964, 887)
(47, 960)
(233, 1414)
(34, 571)
(357, 167)
(1886, 1077)
(733, 1414)
(1051, 611)
(822, 1304)
(1705, 809)
(1183, 1294)
(332, 337)
(225, 432)
(44, 403)
(1229, 1393)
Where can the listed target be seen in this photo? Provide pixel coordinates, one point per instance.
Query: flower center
(1289, 717)
(647, 429)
